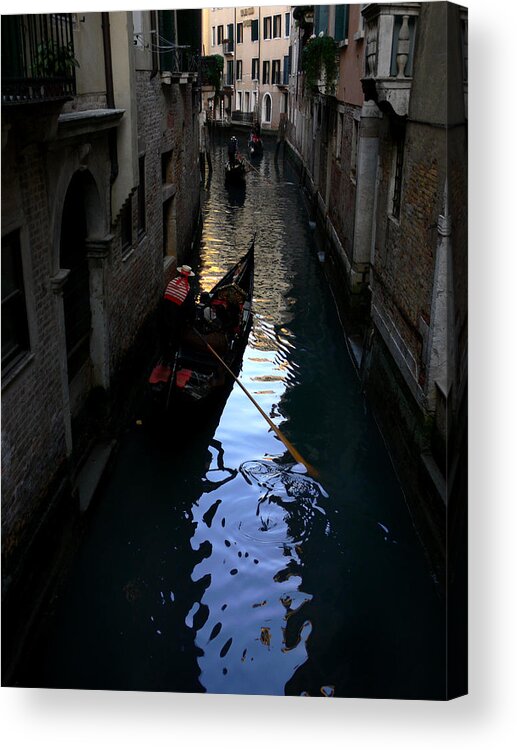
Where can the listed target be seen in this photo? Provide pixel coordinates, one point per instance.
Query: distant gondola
(235, 172)
(255, 145)
(195, 376)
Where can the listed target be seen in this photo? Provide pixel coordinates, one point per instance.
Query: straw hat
(186, 270)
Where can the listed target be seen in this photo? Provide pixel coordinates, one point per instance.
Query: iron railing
(180, 59)
(245, 117)
(38, 59)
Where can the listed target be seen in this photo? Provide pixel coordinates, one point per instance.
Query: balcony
(390, 38)
(179, 65)
(38, 62)
(243, 118)
(228, 47)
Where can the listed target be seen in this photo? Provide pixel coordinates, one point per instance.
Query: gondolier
(178, 306)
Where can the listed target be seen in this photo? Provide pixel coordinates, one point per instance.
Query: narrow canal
(219, 566)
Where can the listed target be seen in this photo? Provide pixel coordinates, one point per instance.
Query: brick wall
(405, 249)
(166, 120)
(33, 438)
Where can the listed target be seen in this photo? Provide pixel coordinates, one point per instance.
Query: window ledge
(343, 43)
(127, 254)
(15, 369)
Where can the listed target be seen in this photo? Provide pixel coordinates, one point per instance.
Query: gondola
(194, 376)
(235, 172)
(255, 145)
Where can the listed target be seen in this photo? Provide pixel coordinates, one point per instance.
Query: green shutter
(321, 19)
(341, 23)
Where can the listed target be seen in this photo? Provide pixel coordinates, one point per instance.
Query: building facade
(99, 142)
(383, 156)
(254, 42)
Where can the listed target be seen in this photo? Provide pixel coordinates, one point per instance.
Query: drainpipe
(259, 102)
(154, 51)
(110, 95)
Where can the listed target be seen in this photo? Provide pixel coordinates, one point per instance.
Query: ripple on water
(287, 506)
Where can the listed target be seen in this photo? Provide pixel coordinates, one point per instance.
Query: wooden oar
(290, 447)
(256, 170)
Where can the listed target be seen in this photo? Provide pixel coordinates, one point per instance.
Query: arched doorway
(76, 289)
(266, 108)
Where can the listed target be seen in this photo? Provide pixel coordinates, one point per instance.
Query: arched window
(266, 108)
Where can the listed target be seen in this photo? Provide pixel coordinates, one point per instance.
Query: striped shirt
(177, 290)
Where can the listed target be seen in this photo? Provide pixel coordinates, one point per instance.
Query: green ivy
(212, 71)
(319, 54)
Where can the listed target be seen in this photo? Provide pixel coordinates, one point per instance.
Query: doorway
(76, 290)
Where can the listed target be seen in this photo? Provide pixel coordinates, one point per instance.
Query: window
(267, 27)
(339, 135)
(396, 173)
(229, 37)
(229, 73)
(167, 167)
(15, 327)
(247, 101)
(255, 69)
(277, 26)
(141, 196)
(287, 24)
(355, 144)
(213, 36)
(239, 71)
(239, 101)
(287, 68)
(126, 225)
(266, 108)
(265, 71)
(219, 35)
(321, 19)
(275, 73)
(239, 33)
(254, 30)
(341, 23)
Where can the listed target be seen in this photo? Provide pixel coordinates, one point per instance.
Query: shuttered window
(341, 23)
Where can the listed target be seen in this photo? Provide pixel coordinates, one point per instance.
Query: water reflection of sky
(268, 534)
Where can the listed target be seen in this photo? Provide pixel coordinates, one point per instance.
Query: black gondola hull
(194, 377)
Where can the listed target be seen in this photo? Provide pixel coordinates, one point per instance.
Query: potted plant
(53, 60)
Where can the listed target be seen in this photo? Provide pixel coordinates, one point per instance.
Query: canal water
(211, 562)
